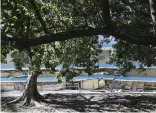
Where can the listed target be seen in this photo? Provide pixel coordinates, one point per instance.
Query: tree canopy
(31, 22)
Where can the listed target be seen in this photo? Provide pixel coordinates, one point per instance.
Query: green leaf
(12, 24)
(14, 17)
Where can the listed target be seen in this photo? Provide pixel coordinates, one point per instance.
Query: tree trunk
(153, 14)
(30, 92)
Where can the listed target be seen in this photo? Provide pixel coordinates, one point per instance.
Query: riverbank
(90, 102)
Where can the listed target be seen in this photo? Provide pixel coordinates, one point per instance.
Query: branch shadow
(98, 102)
(92, 103)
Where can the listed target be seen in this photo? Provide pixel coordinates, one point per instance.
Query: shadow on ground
(98, 102)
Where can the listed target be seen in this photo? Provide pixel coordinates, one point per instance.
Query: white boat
(22, 76)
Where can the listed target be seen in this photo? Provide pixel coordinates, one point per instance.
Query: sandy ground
(89, 102)
(118, 92)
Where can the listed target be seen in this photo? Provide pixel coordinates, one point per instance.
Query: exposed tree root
(24, 103)
(30, 93)
(16, 100)
(26, 100)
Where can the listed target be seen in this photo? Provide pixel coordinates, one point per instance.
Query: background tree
(127, 54)
(135, 20)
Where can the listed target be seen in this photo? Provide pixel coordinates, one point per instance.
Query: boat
(118, 73)
(22, 76)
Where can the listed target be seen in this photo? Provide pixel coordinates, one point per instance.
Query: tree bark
(153, 14)
(30, 92)
(22, 43)
(31, 88)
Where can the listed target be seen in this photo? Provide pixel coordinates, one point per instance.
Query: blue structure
(7, 67)
(84, 77)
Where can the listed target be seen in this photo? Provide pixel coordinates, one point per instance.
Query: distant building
(105, 54)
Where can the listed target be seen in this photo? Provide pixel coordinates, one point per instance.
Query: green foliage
(19, 19)
(123, 64)
(132, 18)
(20, 59)
(80, 52)
(126, 54)
(24, 20)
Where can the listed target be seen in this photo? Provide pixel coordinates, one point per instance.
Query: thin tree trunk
(153, 14)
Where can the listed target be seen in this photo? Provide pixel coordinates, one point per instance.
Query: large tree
(27, 25)
(71, 53)
(60, 20)
(24, 21)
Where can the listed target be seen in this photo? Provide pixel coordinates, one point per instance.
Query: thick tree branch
(106, 14)
(135, 40)
(104, 5)
(38, 15)
(20, 42)
(67, 35)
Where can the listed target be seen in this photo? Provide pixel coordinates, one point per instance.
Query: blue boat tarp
(7, 67)
(84, 77)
